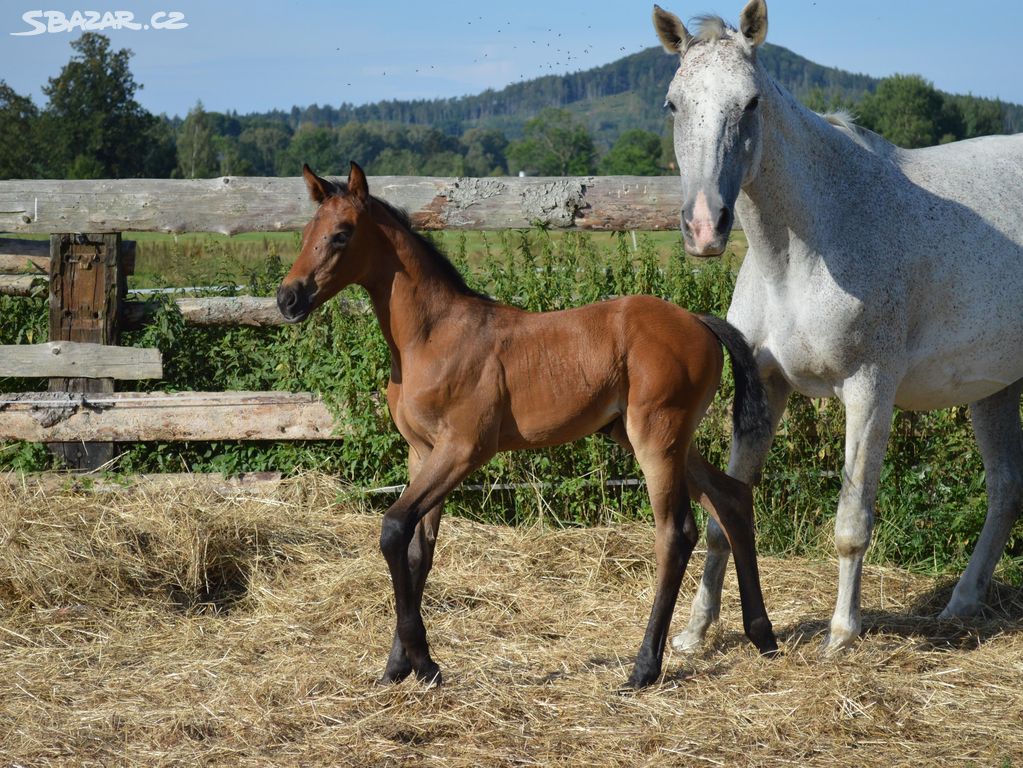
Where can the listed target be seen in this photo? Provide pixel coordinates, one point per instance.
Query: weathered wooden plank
(254, 311)
(244, 484)
(81, 360)
(22, 285)
(240, 204)
(141, 416)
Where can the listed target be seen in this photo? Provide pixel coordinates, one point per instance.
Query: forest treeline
(605, 120)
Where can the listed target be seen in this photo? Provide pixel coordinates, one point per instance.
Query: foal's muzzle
(293, 302)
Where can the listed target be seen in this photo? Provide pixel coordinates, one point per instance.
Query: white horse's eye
(669, 104)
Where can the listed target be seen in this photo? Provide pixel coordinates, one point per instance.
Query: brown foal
(471, 377)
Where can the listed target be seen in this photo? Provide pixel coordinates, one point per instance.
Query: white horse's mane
(711, 29)
(845, 122)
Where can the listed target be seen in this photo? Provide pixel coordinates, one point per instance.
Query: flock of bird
(538, 51)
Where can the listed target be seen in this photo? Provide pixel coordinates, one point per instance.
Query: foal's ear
(319, 189)
(358, 187)
(753, 22)
(671, 31)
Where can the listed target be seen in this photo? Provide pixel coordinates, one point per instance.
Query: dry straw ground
(112, 652)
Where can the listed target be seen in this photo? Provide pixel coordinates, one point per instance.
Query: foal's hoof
(430, 676)
(641, 677)
(761, 634)
(390, 677)
(397, 669)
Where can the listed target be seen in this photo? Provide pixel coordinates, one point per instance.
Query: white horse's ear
(671, 31)
(753, 22)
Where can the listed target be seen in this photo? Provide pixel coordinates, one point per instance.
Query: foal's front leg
(444, 469)
(420, 561)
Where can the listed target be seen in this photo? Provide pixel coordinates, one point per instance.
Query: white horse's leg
(996, 424)
(746, 463)
(869, 400)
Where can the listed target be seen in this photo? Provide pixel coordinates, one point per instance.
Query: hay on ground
(181, 627)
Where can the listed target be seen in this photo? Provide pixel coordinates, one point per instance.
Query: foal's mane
(436, 257)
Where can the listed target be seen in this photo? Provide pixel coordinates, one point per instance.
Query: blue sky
(260, 54)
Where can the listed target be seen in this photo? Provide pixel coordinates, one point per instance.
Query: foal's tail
(750, 413)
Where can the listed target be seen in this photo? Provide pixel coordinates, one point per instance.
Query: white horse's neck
(800, 188)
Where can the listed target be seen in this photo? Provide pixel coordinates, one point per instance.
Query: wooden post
(86, 290)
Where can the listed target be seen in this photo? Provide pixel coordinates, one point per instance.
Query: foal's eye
(340, 240)
(670, 105)
(753, 104)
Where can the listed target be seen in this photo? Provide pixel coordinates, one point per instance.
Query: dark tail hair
(750, 413)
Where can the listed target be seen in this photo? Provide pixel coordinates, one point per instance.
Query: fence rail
(129, 417)
(234, 204)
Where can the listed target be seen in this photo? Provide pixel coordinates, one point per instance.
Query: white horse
(882, 276)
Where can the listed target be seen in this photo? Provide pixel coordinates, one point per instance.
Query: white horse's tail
(750, 413)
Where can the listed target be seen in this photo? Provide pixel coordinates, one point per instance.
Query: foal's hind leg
(747, 462)
(996, 424)
(675, 533)
(730, 502)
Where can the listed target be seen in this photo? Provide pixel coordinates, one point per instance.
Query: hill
(627, 93)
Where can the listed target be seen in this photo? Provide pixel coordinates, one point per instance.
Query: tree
(980, 117)
(358, 142)
(259, 145)
(161, 155)
(92, 124)
(553, 144)
(635, 153)
(18, 142)
(395, 162)
(316, 146)
(485, 152)
(197, 151)
(908, 111)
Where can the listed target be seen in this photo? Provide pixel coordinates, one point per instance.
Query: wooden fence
(85, 264)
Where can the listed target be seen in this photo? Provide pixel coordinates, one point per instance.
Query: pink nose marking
(702, 223)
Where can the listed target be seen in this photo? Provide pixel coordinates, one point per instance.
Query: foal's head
(333, 244)
(714, 99)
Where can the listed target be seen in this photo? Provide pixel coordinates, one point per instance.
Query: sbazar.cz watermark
(41, 22)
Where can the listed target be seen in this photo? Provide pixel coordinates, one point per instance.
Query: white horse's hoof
(959, 610)
(688, 641)
(838, 640)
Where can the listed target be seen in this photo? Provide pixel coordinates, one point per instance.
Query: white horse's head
(715, 102)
